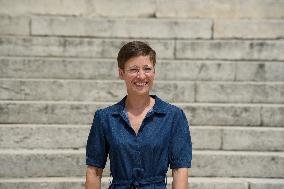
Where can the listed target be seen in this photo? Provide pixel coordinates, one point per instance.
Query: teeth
(140, 84)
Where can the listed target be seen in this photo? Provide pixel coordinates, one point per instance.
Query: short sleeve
(97, 148)
(180, 149)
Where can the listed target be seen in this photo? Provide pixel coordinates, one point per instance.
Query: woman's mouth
(140, 84)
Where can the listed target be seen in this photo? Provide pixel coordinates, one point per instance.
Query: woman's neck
(138, 103)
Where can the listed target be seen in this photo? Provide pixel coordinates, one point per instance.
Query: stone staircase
(222, 63)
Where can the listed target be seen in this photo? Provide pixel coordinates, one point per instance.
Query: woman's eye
(134, 70)
(147, 70)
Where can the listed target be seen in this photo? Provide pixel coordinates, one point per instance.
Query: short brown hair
(133, 49)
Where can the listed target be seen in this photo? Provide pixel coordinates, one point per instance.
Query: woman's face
(138, 74)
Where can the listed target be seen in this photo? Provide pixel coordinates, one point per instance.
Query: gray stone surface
(45, 185)
(222, 62)
(121, 28)
(191, 70)
(78, 182)
(272, 115)
(56, 68)
(51, 7)
(248, 29)
(82, 113)
(219, 9)
(216, 183)
(195, 183)
(75, 136)
(203, 137)
(87, 90)
(151, 8)
(14, 25)
(121, 8)
(43, 136)
(266, 183)
(74, 47)
(253, 139)
(222, 114)
(107, 69)
(66, 163)
(174, 70)
(261, 71)
(206, 138)
(48, 113)
(240, 92)
(17, 164)
(230, 49)
(238, 164)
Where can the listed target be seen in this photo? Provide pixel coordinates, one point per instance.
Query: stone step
(217, 9)
(14, 25)
(87, 90)
(43, 112)
(158, 28)
(203, 137)
(74, 47)
(167, 49)
(194, 182)
(142, 27)
(241, 92)
(53, 7)
(58, 163)
(122, 28)
(174, 70)
(230, 49)
(151, 8)
(248, 29)
(90, 90)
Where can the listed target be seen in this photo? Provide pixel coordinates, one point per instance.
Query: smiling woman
(138, 75)
(142, 134)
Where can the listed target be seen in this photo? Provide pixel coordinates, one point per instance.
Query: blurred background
(221, 61)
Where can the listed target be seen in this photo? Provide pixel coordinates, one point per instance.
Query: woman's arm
(180, 178)
(93, 177)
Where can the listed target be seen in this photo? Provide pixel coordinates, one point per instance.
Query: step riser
(244, 93)
(248, 29)
(112, 91)
(216, 9)
(204, 164)
(165, 70)
(213, 138)
(124, 28)
(142, 28)
(151, 8)
(196, 183)
(108, 48)
(74, 47)
(87, 91)
(14, 25)
(230, 50)
(70, 113)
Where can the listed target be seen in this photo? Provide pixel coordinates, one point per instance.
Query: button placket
(138, 151)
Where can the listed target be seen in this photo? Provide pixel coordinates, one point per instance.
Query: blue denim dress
(140, 160)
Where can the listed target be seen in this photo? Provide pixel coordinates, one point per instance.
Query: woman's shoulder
(109, 110)
(167, 106)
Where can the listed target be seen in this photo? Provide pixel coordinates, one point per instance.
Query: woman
(142, 134)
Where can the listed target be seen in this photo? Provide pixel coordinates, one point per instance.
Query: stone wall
(221, 61)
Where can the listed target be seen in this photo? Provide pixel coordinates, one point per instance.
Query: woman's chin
(140, 91)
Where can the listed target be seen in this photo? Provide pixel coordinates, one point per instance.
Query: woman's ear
(120, 73)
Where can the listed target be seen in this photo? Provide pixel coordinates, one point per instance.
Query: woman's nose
(141, 74)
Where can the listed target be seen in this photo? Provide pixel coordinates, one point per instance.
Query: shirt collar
(159, 106)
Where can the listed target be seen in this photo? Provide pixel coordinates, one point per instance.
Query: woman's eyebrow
(135, 66)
